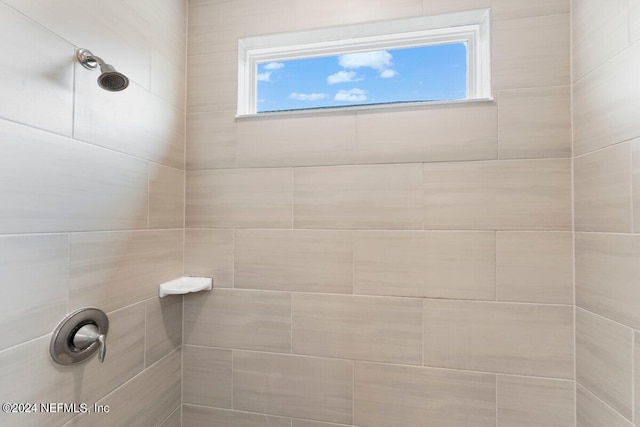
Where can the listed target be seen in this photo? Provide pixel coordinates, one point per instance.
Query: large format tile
(378, 329)
(531, 52)
(604, 360)
(212, 82)
(600, 32)
(534, 267)
(634, 21)
(429, 134)
(500, 9)
(166, 197)
(199, 416)
(207, 377)
(439, 264)
(174, 420)
(239, 198)
(146, 400)
(592, 412)
(498, 195)
(635, 183)
(209, 253)
(527, 402)
(36, 65)
(602, 186)
(636, 373)
(117, 34)
(49, 183)
(34, 285)
(607, 276)
(253, 320)
(294, 260)
(389, 395)
(296, 140)
(604, 103)
(361, 197)
(114, 269)
(311, 13)
(534, 123)
(211, 140)
(524, 339)
(297, 386)
(307, 423)
(134, 121)
(164, 327)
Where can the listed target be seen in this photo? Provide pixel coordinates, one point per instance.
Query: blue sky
(423, 73)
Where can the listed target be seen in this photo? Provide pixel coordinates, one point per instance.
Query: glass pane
(424, 73)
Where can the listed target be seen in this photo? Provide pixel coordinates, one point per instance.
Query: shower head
(109, 78)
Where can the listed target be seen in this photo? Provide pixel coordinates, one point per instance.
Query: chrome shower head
(109, 78)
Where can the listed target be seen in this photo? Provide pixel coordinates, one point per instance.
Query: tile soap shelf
(185, 285)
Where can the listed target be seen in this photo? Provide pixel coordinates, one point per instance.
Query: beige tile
(526, 402)
(499, 195)
(253, 320)
(429, 134)
(592, 412)
(34, 273)
(212, 82)
(296, 140)
(524, 339)
(636, 373)
(361, 197)
(117, 34)
(634, 21)
(310, 13)
(146, 400)
(240, 198)
(388, 395)
(459, 265)
(305, 423)
(534, 123)
(215, 26)
(358, 327)
(207, 377)
(302, 387)
(535, 267)
(164, 327)
(600, 32)
(294, 260)
(198, 416)
(174, 420)
(134, 121)
(500, 9)
(211, 140)
(209, 253)
(607, 276)
(27, 374)
(36, 64)
(602, 183)
(112, 270)
(166, 197)
(635, 183)
(604, 103)
(604, 360)
(67, 186)
(531, 52)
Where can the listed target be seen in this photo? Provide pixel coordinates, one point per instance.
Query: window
(432, 59)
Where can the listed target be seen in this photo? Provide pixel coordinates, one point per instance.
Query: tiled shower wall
(91, 205)
(606, 85)
(396, 267)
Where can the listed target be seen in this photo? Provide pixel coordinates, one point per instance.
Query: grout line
(595, 396)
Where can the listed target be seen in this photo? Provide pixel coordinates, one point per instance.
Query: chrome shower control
(79, 336)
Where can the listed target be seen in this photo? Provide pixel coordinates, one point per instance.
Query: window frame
(470, 27)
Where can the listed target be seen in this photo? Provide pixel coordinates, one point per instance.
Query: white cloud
(308, 96)
(352, 95)
(387, 74)
(274, 66)
(379, 60)
(343, 77)
(264, 77)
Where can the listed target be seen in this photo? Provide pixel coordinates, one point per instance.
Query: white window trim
(470, 27)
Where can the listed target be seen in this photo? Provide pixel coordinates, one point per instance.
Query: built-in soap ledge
(185, 285)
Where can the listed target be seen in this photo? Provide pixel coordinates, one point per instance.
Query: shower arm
(88, 60)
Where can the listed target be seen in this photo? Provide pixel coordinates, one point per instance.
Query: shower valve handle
(87, 336)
